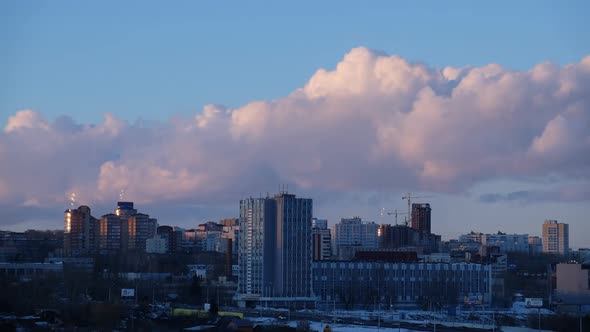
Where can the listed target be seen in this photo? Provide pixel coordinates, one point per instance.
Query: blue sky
(142, 59)
(159, 63)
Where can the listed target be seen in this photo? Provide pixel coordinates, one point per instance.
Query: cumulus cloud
(25, 119)
(375, 122)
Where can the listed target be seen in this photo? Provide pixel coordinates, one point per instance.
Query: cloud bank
(375, 122)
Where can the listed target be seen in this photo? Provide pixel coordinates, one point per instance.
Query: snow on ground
(464, 318)
(521, 329)
(521, 308)
(349, 328)
(320, 326)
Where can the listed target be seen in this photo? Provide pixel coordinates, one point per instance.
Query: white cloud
(25, 119)
(376, 122)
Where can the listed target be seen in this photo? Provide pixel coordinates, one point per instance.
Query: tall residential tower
(275, 250)
(81, 231)
(555, 237)
(421, 217)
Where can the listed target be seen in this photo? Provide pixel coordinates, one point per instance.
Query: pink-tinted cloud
(375, 122)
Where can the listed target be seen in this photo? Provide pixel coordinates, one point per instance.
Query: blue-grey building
(275, 251)
(358, 284)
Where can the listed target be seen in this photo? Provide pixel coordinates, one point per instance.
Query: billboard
(473, 300)
(127, 292)
(533, 302)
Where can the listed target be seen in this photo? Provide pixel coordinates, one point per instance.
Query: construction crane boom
(394, 213)
(409, 197)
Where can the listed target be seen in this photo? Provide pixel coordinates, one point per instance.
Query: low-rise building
(573, 279)
(156, 245)
(352, 283)
(507, 242)
(29, 270)
(572, 286)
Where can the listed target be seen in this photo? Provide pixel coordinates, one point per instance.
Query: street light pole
(379, 317)
(493, 321)
(334, 314)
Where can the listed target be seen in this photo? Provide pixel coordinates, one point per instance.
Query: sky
(188, 107)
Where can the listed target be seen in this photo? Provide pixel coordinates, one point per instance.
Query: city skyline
(353, 111)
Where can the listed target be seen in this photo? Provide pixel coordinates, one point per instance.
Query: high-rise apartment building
(421, 217)
(275, 250)
(355, 232)
(555, 237)
(126, 229)
(293, 271)
(110, 232)
(391, 237)
(81, 231)
(322, 239)
(140, 227)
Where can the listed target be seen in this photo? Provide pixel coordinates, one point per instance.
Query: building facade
(168, 233)
(156, 245)
(573, 279)
(360, 283)
(555, 237)
(535, 245)
(293, 269)
(81, 232)
(275, 250)
(322, 242)
(507, 242)
(140, 227)
(319, 223)
(126, 229)
(256, 248)
(110, 232)
(421, 213)
(394, 236)
(355, 232)
(472, 237)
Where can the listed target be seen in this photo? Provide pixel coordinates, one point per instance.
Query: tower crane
(409, 197)
(394, 213)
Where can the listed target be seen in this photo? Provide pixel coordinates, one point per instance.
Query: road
(329, 319)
